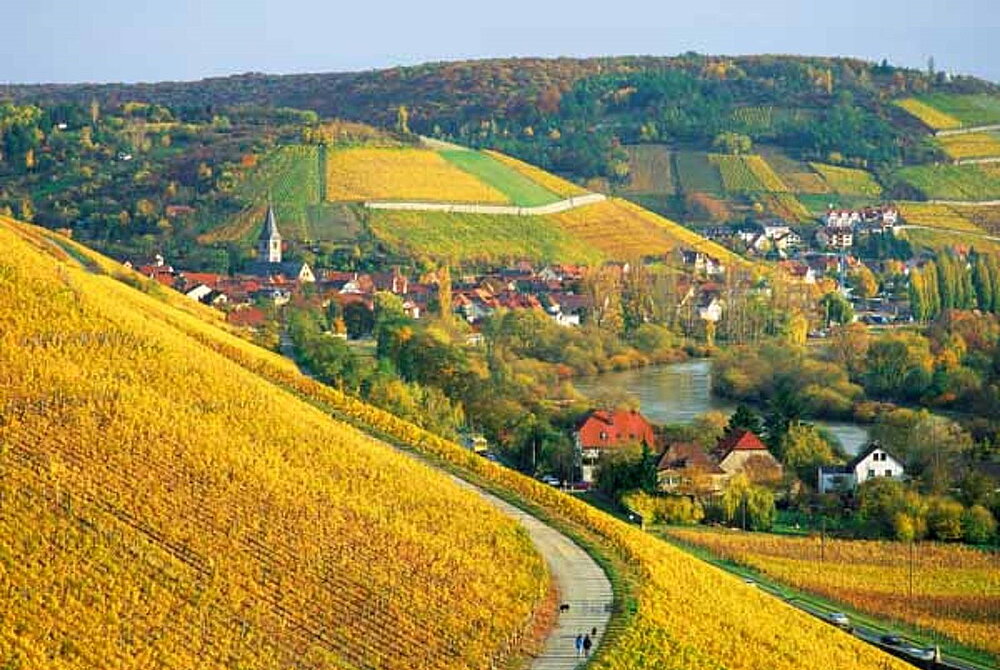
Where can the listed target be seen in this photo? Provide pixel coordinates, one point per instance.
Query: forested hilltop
(571, 115)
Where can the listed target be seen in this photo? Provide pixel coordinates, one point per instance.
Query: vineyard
(547, 180)
(747, 174)
(650, 170)
(166, 507)
(785, 206)
(938, 216)
(678, 614)
(289, 177)
(402, 174)
(970, 145)
(697, 173)
(848, 181)
(956, 590)
(930, 116)
(518, 188)
(482, 238)
(954, 182)
(968, 110)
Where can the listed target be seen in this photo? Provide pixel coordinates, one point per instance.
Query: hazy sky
(138, 40)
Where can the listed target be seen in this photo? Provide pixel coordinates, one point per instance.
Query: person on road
(587, 644)
(579, 645)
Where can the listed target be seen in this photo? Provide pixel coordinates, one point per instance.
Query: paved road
(581, 582)
(966, 131)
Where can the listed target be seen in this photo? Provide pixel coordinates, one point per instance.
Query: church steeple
(269, 242)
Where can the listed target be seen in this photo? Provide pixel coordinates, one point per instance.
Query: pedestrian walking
(587, 644)
(579, 645)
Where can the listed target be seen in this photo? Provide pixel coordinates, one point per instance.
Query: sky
(139, 40)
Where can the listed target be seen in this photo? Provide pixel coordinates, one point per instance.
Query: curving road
(582, 585)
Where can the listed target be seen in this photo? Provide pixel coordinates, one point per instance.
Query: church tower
(269, 242)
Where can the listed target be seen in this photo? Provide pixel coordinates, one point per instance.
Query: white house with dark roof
(871, 462)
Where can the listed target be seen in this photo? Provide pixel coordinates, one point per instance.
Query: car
(749, 582)
(891, 639)
(922, 653)
(840, 620)
(551, 480)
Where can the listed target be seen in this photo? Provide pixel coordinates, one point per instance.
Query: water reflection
(679, 392)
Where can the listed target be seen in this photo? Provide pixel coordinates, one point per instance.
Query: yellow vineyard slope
(162, 506)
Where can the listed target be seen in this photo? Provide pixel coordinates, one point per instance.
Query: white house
(838, 237)
(873, 461)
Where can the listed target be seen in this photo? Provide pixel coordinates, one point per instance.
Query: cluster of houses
(271, 280)
(840, 230)
(689, 469)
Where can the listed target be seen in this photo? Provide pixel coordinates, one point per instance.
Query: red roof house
(602, 430)
(742, 451)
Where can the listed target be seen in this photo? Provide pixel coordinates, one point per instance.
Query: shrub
(978, 525)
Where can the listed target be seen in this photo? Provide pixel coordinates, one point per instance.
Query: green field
(747, 174)
(520, 189)
(650, 170)
(970, 110)
(479, 237)
(697, 173)
(954, 182)
(940, 240)
(817, 203)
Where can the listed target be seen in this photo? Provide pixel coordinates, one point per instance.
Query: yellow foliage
(970, 145)
(956, 589)
(364, 173)
(931, 117)
(165, 506)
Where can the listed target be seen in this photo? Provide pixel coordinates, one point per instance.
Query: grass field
(797, 175)
(954, 182)
(931, 116)
(165, 506)
(403, 175)
(697, 173)
(939, 240)
(747, 174)
(956, 589)
(970, 145)
(519, 189)
(650, 170)
(848, 181)
(480, 237)
(785, 206)
(968, 110)
(547, 180)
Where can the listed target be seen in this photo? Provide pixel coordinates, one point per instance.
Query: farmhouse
(687, 469)
(873, 461)
(603, 431)
(741, 451)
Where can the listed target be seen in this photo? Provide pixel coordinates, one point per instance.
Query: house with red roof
(686, 468)
(603, 431)
(741, 451)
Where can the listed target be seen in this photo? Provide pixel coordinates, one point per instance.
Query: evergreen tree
(744, 418)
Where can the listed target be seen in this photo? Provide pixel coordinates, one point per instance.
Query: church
(269, 262)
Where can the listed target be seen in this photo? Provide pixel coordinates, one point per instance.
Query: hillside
(164, 506)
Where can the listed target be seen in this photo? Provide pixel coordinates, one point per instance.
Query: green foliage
(748, 505)
(978, 525)
(674, 510)
(971, 110)
(732, 143)
(954, 182)
(627, 469)
(804, 449)
(836, 308)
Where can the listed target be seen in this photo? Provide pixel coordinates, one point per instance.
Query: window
(871, 472)
(604, 435)
(888, 473)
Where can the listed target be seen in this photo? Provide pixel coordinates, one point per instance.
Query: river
(679, 392)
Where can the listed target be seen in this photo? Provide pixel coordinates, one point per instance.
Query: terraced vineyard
(971, 145)
(748, 174)
(930, 115)
(166, 507)
(848, 181)
(289, 177)
(403, 174)
(956, 590)
(945, 217)
(481, 238)
(967, 110)
(954, 182)
(549, 181)
(519, 188)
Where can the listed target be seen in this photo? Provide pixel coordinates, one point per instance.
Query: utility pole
(822, 539)
(911, 575)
